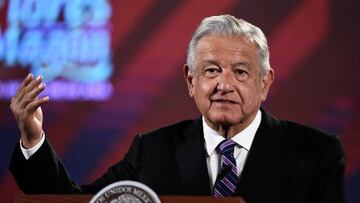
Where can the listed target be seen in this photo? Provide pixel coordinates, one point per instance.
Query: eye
(241, 74)
(211, 71)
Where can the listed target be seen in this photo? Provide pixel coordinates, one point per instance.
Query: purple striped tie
(227, 179)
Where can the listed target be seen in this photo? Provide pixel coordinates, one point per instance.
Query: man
(235, 149)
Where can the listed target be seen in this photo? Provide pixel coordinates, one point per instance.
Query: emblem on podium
(126, 192)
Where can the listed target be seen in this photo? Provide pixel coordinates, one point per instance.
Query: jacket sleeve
(126, 169)
(44, 173)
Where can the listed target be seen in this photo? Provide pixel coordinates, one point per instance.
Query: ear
(267, 81)
(188, 76)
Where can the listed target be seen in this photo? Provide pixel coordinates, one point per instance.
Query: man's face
(227, 85)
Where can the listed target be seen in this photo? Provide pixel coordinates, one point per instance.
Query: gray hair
(227, 25)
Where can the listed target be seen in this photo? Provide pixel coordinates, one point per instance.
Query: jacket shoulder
(308, 137)
(172, 131)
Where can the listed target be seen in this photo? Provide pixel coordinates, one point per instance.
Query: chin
(225, 120)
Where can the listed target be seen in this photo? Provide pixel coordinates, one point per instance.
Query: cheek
(203, 88)
(202, 93)
(250, 94)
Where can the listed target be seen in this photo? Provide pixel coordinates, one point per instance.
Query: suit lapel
(263, 165)
(191, 160)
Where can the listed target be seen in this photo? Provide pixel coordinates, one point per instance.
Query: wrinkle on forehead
(233, 49)
(224, 43)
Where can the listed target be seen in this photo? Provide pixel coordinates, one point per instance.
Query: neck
(230, 130)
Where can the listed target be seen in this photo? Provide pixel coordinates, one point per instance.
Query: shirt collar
(243, 138)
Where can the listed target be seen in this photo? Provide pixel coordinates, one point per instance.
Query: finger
(36, 91)
(14, 106)
(25, 82)
(28, 88)
(31, 96)
(32, 106)
(34, 83)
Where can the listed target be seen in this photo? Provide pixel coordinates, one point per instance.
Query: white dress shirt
(244, 140)
(29, 152)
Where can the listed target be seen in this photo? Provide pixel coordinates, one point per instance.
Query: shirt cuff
(31, 151)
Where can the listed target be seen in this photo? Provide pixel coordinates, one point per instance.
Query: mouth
(223, 101)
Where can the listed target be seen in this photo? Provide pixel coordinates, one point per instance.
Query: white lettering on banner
(68, 39)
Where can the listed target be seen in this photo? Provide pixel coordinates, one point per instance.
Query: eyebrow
(240, 64)
(210, 62)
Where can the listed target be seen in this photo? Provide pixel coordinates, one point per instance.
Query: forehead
(226, 48)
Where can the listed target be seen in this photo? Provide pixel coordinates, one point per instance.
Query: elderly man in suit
(235, 148)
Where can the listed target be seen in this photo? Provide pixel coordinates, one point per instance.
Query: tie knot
(226, 146)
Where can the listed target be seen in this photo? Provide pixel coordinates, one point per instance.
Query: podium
(86, 198)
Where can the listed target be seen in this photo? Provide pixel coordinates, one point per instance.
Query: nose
(225, 82)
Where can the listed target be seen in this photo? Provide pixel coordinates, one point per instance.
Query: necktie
(227, 179)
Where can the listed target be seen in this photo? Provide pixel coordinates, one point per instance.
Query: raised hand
(26, 107)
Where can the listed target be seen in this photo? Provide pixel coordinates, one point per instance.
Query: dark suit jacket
(287, 162)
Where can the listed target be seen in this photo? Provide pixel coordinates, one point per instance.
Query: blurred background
(114, 69)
